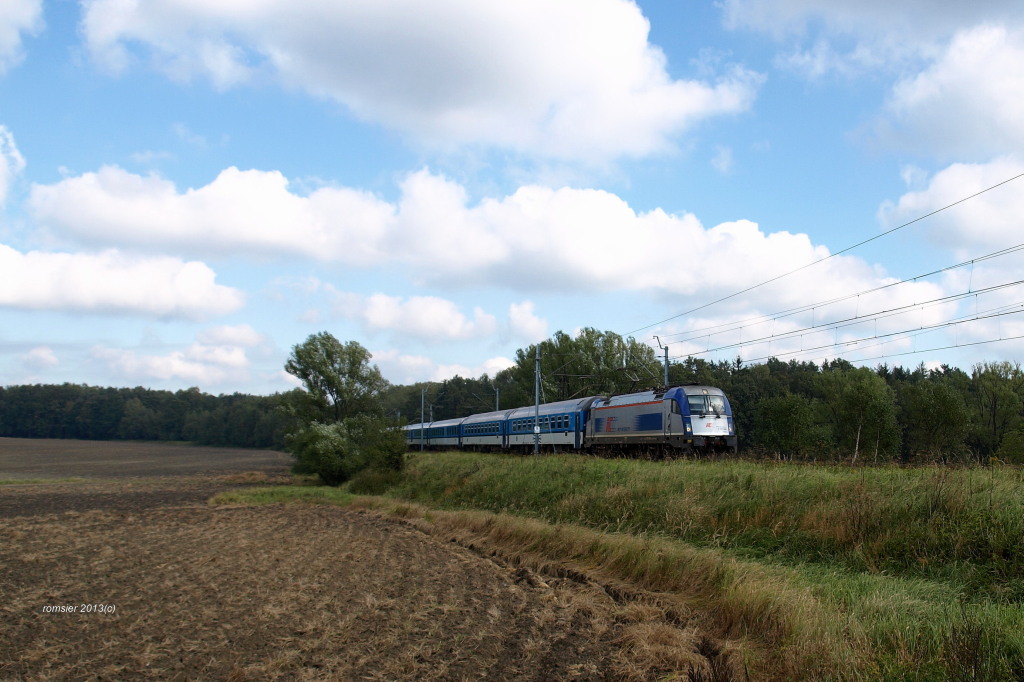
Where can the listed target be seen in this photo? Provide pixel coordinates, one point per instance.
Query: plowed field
(114, 577)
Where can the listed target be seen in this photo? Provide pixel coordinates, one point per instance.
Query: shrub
(338, 451)
(1011, 450)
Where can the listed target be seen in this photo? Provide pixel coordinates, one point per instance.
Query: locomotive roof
(701, 389)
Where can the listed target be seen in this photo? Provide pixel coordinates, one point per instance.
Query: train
(677, 420)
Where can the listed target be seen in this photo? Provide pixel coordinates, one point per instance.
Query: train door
(672, 421)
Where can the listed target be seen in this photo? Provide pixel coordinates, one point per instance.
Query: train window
(696, 404)
(717, 404)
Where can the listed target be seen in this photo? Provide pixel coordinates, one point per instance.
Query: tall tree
(343, 430)
(591, 363)
(338, 377)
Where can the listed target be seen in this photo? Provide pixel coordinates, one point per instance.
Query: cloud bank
(111, 282)
(571, 79)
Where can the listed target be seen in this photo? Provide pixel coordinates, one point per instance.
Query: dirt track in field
(284, 592)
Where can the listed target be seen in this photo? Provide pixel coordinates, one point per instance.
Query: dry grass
(747, 620)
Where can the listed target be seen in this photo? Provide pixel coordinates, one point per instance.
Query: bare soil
(162, 585)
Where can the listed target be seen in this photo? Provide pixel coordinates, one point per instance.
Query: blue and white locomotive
(681, 419)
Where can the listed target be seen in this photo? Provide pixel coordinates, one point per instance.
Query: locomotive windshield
(706, 404)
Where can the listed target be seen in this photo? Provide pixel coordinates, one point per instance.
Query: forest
(788, 410)
(95, 413)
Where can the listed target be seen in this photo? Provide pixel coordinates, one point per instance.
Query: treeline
(95, 413)
(795, 410)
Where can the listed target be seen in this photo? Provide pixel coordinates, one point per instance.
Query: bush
(336, 452)
(1011, 450)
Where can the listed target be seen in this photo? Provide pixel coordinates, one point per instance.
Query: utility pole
(423, 399)
(536, 397)
(666, 360)
(497, 391)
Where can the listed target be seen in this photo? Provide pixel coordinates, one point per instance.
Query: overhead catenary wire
(859, 319)
(994, 313)
(700, 332)
(826, 258)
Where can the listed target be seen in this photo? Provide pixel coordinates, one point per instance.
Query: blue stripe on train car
(648, 422)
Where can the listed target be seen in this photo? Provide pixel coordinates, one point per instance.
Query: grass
(959, 525)
(835, 572)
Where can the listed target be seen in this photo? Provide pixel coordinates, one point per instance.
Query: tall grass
(923, 567)
(964, 525)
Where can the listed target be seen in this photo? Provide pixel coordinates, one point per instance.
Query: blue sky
(188, 189)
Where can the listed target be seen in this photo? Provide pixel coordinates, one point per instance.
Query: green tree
(785, 425)
(591, 363)
(338, 377)
(997, 389)
(861, 409)
(139, 422)
(343, 430)
(935, 419)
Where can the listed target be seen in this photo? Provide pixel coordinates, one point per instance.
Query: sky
(190, 188)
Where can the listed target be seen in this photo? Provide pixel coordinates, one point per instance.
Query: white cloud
(12, 163)
(524, 325)
(407, 369)
(427, 318)
(722, 160)
(17, 17)
(112, 282)
(431, 319)
(982, 224)
(964, 57)
(198, 364)
(877, 28)
(959, 65)
(969, 102)
(232, 335)
(218, 356)
(567, 79)
(253, 210)
(41, 357)
(183, 133)
(536, 239)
